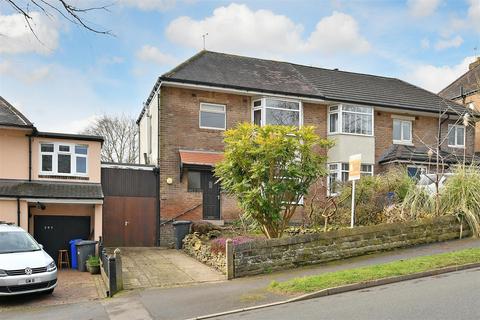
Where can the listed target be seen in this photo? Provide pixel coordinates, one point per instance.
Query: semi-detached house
(49, 182)
(385, 119)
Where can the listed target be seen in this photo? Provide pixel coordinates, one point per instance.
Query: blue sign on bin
(73, 252)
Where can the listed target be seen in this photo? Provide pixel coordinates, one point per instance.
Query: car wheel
(49, 291)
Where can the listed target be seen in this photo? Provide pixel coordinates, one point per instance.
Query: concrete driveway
(155, 267)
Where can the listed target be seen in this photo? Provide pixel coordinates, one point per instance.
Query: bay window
(338, 174)
(276, 112)
(350, 119)
(456, 136)
(63, 159)
(402, 131)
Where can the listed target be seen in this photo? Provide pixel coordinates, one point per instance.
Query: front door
(211, 197)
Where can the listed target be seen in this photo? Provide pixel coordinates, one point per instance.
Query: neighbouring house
(387, 120)
(466, 90)
(49, 182)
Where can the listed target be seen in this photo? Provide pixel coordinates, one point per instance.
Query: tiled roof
(470, 81)
(9, 116)
(267, 76)
(201, 158)
(47, 189)
(397, 152)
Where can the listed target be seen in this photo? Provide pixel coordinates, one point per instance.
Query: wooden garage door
(129, 221)
(54, 232)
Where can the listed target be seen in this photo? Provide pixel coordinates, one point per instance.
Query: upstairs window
(63, 159)
(402, 131)
(350, 119)
(212, 116)
(269, 111)
(456, 136)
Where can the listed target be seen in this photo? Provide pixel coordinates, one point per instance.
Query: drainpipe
(34, 133)
(156, 171)
(18, 212)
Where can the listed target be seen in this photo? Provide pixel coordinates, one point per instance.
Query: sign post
(354, 164)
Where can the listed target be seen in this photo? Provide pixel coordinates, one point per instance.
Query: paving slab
(157, 267)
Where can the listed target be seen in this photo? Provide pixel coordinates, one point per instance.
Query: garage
(55, 232)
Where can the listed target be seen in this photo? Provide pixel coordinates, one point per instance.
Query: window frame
(199, 189)
(456, 127)
(224, 112)
(263, 109)
(340, 111)
(56, 152)
(340, 171)
(402, 141)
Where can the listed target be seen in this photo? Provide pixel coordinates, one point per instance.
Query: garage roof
(47, 189)
(200, 158)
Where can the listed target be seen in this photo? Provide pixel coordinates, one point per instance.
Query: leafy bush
(373, 195)
(93, 261)
(217, 246)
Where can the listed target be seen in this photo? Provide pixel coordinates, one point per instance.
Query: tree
(121, 138)
(51, 8)
(269, 169)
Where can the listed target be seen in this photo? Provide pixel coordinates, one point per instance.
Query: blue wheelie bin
(73, 252)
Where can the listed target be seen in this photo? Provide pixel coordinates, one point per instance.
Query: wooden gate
(130, 216)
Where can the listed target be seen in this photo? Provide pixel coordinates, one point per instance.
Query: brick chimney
(474, 64)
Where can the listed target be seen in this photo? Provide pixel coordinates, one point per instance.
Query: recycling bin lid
(86, 242)
(180, 222)
(75, 241)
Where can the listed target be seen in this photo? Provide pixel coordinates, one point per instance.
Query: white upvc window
(212, 116)
(456, 136)
(338, 173)
(58, 158)
(276, 111)
(350, 119)
(402, 131)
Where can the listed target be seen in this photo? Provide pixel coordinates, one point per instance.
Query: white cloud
(474, 15)
(237, 28)
(149, 5)
(16, 37)
(454, 42)
(425, 43)
(337, 33)
(25, 75)
(422, 8)
(435, 78)
(152, 54)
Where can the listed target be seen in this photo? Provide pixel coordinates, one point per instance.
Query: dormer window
(63, 159)
(276, 111)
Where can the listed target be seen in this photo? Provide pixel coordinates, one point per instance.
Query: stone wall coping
(335, 234)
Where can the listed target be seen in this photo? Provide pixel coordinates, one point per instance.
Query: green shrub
(93, 261)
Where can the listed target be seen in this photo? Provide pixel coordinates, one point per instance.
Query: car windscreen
(15, 241)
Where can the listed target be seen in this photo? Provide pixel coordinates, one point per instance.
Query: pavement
(192, 301)
(448, 296)
(157, 267)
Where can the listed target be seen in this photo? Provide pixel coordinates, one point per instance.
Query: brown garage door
(129, 207)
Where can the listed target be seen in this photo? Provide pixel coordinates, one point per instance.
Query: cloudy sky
(71, 75)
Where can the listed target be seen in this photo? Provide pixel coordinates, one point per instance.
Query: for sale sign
(354, 164)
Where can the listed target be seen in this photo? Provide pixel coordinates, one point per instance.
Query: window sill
(55, 176)
(216, 129)
(349, 134)
(404, 143)
(456, 147)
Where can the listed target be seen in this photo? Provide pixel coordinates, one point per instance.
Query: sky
(71, 76)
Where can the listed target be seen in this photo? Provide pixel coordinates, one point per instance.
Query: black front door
(211, 197)
(54, 232)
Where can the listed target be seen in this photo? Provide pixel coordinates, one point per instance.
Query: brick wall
(264, 256)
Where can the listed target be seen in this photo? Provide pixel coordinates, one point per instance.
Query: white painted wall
(347, 145)
(146, 145)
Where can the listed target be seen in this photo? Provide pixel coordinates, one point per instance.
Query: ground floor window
(194, 181)
(416, 171)
(338, 174)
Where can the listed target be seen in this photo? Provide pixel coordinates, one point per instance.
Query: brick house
(466, 91)
(387, 120)
(49, 182)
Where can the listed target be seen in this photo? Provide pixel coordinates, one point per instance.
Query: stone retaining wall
(263, 256)
(200, 250)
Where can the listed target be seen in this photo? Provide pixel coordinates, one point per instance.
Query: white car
(24, 266)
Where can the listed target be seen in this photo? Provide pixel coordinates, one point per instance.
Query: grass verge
(374, 272)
